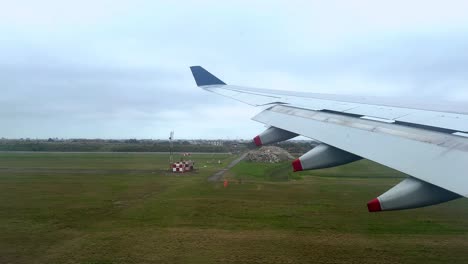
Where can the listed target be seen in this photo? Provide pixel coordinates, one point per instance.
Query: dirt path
(218, 175)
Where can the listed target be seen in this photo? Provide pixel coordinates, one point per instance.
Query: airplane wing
(427, 141)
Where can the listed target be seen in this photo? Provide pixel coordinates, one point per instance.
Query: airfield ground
(126, 208)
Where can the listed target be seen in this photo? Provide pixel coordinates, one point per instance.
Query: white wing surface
(427, 141)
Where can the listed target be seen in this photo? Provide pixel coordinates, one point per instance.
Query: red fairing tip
(258, 141)
(374, 205)
(297, 166)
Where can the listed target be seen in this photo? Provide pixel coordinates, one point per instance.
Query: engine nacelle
(323, 156)
(410, 193)
(273, 135)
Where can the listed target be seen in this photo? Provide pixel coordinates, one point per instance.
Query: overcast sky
(119, 69)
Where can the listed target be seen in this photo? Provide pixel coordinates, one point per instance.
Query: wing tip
(203, 77)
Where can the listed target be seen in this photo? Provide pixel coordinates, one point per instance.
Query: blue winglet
(203, 77)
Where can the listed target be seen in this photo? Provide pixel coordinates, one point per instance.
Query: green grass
(268, 171)
(126, 208)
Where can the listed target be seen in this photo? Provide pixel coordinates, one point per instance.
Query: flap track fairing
(410, 193)
(273, 135)
(323, 156)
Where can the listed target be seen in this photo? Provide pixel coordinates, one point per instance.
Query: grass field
(126, 208)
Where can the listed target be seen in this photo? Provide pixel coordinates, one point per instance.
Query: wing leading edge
(426, 143)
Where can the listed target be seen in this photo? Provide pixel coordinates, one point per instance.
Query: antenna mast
(171, 137)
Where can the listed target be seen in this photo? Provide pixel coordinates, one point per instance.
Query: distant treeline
(108, 147)
(133, 145)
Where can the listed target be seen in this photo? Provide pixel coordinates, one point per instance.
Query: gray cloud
(117, 70)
